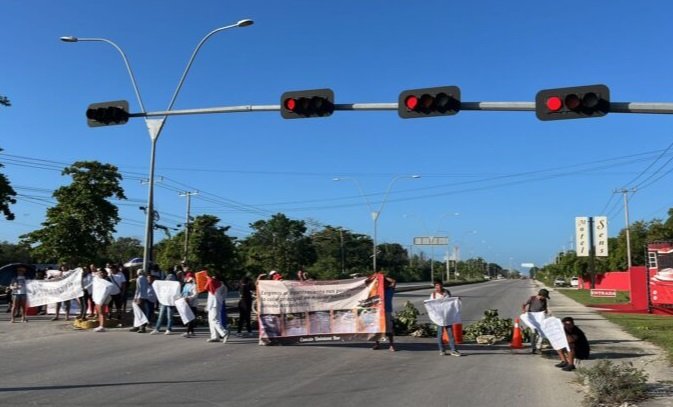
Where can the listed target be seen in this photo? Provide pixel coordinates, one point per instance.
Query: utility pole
(625, 192)
(187, 219)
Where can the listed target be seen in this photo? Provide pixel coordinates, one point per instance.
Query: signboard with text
(605, 292)
(431, 241)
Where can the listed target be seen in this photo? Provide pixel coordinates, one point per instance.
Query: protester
(245, 305)
(100, 306)
(216, 294)
(61, 273)
(537, 303)
(19, 293)
(190, 294)
(578, 343)
(441, 292)
(165, 310)
(142, 298)
(119, 280)
(389, 284)
(85, 299)
(125, 292)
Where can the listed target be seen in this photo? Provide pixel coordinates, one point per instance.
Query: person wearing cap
(190, 295)
(537, 303)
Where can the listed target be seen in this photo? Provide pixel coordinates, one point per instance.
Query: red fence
(617, 280)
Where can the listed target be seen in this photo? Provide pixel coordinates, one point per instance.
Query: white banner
(102, 290)
(167, 291)
(42, 292)
(553, 330)
(582, 235)
(185, 312)
(533, 320)
(601, 235)
(139, 317)
(444, 311)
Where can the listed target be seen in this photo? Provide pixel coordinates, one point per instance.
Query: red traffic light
(307, 103)
(572, 103)
(428, 102)
(554, 103)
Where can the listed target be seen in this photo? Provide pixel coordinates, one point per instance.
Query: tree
(277, 244)
(209, 247)
(14, 253)
(123, 249)
(340, 253)
(7, 195)
(79, 228)
(393, 258)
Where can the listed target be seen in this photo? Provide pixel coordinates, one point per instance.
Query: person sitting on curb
(578, 343)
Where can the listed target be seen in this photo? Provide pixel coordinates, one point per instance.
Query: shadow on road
(85, 386)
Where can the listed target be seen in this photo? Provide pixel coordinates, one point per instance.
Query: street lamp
(155, 126)
(375, 214)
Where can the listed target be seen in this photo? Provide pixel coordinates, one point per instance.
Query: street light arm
(123, 55)
(360, 190)
(241, 23)
(390, 187)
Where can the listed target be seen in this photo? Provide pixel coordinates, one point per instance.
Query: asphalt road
(47, 363)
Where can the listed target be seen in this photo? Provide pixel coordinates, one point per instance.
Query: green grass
(657, 329)
(584, 297)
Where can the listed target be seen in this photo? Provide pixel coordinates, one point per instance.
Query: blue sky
(516, 181)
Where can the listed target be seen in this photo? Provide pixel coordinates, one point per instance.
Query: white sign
(431, 241)
(139, 317)
(41, 292)
(553, 330)
(582, 235)
(443, 311)
(184, 310)
(167, 291)
(527, 265)
(102, 290)
(533, 320)
(601, 235)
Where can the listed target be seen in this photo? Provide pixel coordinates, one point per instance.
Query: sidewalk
(608, 341)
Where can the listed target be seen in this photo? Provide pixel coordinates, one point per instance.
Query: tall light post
(375, 214)
(155, 126)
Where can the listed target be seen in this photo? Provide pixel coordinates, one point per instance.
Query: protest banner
(167, 291)
(533, 320)
(444, 311)
(201, 278)
(139, 317)
(42, 292)
(316, 311)
(185, 312)
(553, 330)
(102, 290)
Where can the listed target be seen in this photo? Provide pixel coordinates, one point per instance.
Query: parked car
(559, 282)
(574, 282)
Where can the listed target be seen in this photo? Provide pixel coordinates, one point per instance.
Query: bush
(491, 324)
(405, 323)
(613, 385)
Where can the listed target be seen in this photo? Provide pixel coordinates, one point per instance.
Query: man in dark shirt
(389, 284)
(536, 303)
(578, 343)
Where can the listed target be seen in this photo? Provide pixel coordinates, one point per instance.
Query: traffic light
(107, 113)
(442, 101)
(572, 103)
(307, 103)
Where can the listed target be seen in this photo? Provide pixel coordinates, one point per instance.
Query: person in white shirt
(441, 292)
(217, 292)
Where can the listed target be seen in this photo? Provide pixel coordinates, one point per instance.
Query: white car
(559, 282)
(574, 282)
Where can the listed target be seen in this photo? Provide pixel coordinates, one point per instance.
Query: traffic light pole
(615, 107)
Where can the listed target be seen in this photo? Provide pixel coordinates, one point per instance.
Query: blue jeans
(449, 331)
(165, 310)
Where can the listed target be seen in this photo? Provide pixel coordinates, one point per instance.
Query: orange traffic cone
(445, 336)
(517, 342)
(458, 333)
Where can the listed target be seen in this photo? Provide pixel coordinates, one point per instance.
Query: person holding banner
(216, 294)
(19, 294)
(142, 298)
(118, 279)
(166, 310)
(439, 293)
(190, 294)
(537, 303)
(56, 276)
(578, 343)
(389, 284)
